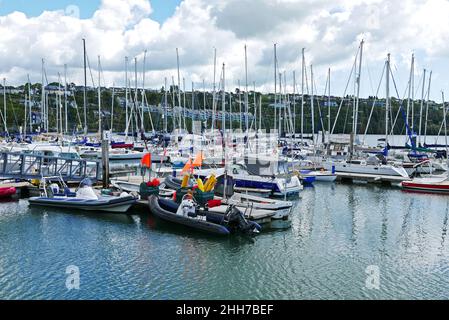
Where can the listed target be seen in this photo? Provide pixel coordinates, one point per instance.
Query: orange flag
(188, 166)
(146, 160)
(198, 162)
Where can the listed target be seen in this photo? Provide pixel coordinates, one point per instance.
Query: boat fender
(124, 194)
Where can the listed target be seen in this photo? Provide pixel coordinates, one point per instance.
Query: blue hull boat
(104, 203)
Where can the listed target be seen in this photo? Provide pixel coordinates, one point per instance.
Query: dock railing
(19, 165)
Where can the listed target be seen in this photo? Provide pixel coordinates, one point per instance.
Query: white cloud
(329, 31)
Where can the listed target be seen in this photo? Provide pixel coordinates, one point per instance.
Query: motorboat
(85, 198)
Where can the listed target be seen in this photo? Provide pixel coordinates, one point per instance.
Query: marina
(192, 158)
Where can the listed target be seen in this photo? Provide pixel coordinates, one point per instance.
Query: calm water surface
(338, 231)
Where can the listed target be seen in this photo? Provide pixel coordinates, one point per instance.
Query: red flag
(146, 160)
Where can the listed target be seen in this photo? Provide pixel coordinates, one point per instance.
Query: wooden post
(105, 158)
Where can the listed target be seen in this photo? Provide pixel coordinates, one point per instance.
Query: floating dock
(370, 178)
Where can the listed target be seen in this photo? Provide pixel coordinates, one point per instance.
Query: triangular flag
(187, 166)
(146, 160)
(198, 162)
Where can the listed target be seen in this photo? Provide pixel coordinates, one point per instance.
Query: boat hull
(116, 204)
(201, 225)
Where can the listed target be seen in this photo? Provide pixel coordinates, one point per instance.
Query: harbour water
(339, 232)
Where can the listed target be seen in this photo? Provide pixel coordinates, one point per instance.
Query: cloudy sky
(329, 30)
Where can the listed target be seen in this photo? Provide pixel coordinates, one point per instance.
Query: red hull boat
(7, 192)
(437, 185)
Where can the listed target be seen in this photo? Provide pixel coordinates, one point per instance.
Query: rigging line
(346, 88)
(374, 103)
(90, 70)
(400, 104)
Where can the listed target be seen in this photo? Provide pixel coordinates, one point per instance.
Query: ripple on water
(337, 231)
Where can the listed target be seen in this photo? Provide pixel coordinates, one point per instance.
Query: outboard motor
(236, 222)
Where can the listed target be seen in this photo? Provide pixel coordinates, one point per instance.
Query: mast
(213, 92)
(445, 124)
(184, 103)
(303, 67)
(294, 103)
(246, 95)
(223, 110)
(427, 107)
(421, 107)
(99, 98)
(4, 105)
(65, 100)
(224, 136)
(84, 91)
(356, 116)
(193, 104)
(43, 98)
(275, 87)
(29, 104)
(165, 106)
(136, 96)
(412, 122)
(126, 98)
(240, 106)
(311, 104)
(179, 86)
(112, 107)
(329, 104)
(387, 99)
(142, 124)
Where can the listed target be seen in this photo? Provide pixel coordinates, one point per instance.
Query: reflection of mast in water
(352, 207)
(384, 228)
(403, 235)
(444, 230)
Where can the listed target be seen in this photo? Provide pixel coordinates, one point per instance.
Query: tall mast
(275, 87)
(65, 98)
(179, 84)
(224, 134)
(184, 103)
(294, 103)
(99, 97)
(329, 104)
(223, 104)
(412, 122)
(303, 67)
(213, 92)
(311, 104)
(43, 98)
(112, 107)
(255, 105)
(240, 105)
(193, 104)
(427, 107)
(126, 98)
(29, 103)
(356, 116)
(85, 89)
(280, 103)
(445, 123)
(387, 99)
(4, 105)
(136, 95)
(142, 124)
(246, 95)
(421, 107)
(165, 106)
